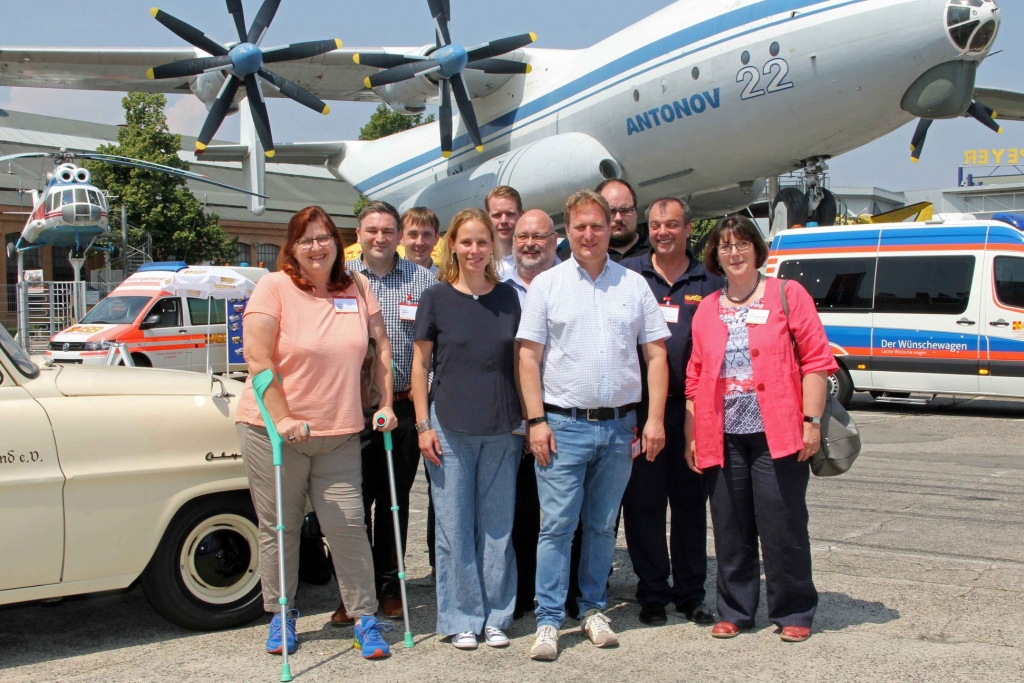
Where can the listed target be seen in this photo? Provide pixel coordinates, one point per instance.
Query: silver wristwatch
(423, 426)
(812, 420)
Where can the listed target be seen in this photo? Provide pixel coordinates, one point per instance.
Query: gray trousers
(328, 470)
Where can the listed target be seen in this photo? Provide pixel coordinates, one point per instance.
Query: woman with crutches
(309, 325)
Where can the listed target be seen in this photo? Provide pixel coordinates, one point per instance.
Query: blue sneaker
(368, 639)
(274, 640)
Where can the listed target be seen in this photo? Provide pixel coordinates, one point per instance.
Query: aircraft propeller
(447, 64)
(976, 110)
(244, 62)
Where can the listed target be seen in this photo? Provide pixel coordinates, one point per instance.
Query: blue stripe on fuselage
(687, 36)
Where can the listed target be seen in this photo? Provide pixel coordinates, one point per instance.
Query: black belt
(593, 414)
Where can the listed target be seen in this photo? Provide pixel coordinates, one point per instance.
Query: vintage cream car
(111, 475)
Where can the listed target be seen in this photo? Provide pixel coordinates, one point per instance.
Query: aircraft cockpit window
(983, 37)
(68, 197)
(53, 201)
(80, 197)
(94, 198)
(963, 18)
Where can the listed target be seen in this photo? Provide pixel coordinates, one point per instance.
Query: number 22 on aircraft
(778, 69)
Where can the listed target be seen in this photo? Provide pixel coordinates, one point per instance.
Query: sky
(884, 163)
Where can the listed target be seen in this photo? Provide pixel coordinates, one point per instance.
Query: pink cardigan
(777, 375)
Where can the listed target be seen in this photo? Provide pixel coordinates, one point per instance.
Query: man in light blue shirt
(533, 251)
(580, 379)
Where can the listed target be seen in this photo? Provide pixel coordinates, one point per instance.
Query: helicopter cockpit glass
(972, 24)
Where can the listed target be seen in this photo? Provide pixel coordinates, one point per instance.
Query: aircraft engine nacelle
(545, 173)
(207, 86)
(943, 92)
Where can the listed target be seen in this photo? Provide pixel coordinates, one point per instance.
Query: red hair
(340, 278)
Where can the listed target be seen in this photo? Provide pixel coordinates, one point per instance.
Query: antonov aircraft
(702, 100)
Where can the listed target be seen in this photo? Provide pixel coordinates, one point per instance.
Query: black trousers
(754, 497)
(653, 487)
(377, 493)
(526, 533)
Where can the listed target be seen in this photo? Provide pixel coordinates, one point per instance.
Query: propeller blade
(289, 89)
(25, 155)
(466, 110)
(384, 60)
(236, 12)
(304, 50)
(160, 168)
(218, 111)
(501, 47)
(401, 73)
(262, 21)
(499, 66)
(188, 67)
(189, 34)
(984, 115)
(917, 142)
(444, 119)
(441, 14)
(260, 117)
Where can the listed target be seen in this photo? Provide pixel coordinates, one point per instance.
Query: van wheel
(841, 386)
(140, 360)
(205, 573)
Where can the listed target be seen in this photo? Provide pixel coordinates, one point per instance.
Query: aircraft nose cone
(453, 60)
(246, 59)
(972, 24)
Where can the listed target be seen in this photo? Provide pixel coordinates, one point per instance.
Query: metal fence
(49, 308)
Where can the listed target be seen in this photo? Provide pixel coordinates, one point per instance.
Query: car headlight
(97, 345)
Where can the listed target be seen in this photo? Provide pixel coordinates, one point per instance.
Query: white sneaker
(495, 637)
(595, 625)
(465, 640)
(545, 647)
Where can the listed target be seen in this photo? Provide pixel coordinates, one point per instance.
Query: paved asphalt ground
(918, 556)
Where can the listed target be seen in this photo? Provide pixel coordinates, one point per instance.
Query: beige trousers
(329, 470)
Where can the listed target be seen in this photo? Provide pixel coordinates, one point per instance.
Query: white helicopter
(702, 100)
(72, 212)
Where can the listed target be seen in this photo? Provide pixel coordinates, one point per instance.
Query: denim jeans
(583, 484)
(474, 493)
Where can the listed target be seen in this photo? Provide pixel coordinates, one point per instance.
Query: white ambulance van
(932, 308)
(161, 329)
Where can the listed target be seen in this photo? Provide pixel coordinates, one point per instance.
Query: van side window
(934, 285)
(197, 311)
(844, 284)
(169, 312)
(1010, 281)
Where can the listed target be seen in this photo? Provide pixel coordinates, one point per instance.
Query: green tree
(158, 203)
(383, 122)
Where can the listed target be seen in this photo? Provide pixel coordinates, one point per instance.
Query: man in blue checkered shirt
(397, 284)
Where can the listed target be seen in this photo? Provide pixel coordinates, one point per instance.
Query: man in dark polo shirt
(679, 283)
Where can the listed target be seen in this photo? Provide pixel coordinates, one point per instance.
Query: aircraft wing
(1008, 105)
(331, 76)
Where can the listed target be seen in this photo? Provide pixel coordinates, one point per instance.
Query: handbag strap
(362, 294)
(785, 311)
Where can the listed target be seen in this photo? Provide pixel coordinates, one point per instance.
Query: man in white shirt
(420, 232)
(582, 323)
(504, 205)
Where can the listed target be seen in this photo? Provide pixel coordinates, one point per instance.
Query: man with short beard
(533, 252)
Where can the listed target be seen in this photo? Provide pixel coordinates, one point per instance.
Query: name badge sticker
(635, 447)
(346, 304)
(757, 316)
(670, 312)
(407, 312)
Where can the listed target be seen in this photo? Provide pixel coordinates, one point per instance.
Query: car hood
(84, 333)
(101, 380)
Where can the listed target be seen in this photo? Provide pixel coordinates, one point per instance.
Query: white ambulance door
(1003, 323)
(166, 340)
(31, 491)
(197, 330)
(927, 318)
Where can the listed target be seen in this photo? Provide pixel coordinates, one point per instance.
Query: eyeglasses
(741, 247)
(624, 212)
(306, 243)
(523, 239)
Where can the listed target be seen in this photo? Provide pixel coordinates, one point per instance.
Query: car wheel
(841, 386)
(205, 573)
(140, 360)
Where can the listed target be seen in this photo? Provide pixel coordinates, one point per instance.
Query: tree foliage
(383, 122)
(159, 204)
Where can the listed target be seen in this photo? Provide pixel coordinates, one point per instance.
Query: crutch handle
(381, 421)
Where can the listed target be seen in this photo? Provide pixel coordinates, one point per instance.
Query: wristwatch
(537, 420)
(812, 420)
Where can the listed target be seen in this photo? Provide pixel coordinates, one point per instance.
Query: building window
(267, 255)
(243, 253)
(935, 285)
(1010, 281)
(33, 259)
(60, 265)
(835, 284)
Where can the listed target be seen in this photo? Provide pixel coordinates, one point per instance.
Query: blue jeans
(474, 493)
(583, 484)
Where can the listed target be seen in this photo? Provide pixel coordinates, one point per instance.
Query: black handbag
(840, 437)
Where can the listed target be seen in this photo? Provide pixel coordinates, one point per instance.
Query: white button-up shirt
(590, 330)
(512, 277)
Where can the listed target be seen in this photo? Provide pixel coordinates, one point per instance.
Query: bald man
(533, 251)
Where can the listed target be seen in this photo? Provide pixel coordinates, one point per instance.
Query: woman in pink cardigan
(753, 422)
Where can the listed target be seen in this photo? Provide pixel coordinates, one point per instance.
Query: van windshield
(116, 310)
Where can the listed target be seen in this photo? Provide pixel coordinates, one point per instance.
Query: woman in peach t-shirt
(309, 324)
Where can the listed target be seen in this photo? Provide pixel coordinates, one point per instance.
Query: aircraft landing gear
(817, 205)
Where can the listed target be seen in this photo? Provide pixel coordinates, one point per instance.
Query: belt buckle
(595, 412)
